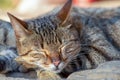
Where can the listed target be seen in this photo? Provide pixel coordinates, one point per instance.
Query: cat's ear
(19, 26)
(64, 12)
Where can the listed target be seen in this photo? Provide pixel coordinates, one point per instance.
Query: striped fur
(98, 39)
(47, 32)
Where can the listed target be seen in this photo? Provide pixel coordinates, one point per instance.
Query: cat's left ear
(64, 12)
(20, 27)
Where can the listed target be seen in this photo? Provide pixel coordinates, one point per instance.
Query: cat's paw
(47, 75)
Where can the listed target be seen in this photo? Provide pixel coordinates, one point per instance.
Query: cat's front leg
(8, 63)
(47, 75)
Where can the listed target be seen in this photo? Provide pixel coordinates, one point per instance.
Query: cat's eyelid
(67, 44)
(38, 53)
(43, 53)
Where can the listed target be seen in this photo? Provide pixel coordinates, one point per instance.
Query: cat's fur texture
(66, 41)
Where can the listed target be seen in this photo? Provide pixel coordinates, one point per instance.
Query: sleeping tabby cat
(63, 41)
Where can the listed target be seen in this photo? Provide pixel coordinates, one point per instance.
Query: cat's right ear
(64, 12)
(19, 26)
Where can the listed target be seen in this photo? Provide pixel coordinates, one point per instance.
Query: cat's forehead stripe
(46, 27)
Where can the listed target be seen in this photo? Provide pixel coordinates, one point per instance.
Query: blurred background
(26, 9)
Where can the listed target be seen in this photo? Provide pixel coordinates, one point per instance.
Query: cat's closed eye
(37, 56)
(70, 49)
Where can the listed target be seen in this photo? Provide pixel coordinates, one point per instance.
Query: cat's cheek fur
(26, 63)
(52, 67)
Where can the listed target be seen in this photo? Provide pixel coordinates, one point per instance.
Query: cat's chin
(57, 71)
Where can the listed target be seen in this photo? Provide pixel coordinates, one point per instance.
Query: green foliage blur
(6, 4)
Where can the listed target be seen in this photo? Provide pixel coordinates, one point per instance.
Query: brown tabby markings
(67, 41)
(47, 42)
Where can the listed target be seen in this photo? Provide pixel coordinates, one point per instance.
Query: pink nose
(56, 63)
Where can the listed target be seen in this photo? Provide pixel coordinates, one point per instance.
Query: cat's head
(49, 43)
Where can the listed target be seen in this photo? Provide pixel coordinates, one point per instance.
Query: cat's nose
(56, 61)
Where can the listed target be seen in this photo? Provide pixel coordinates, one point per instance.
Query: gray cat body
(99, 37)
